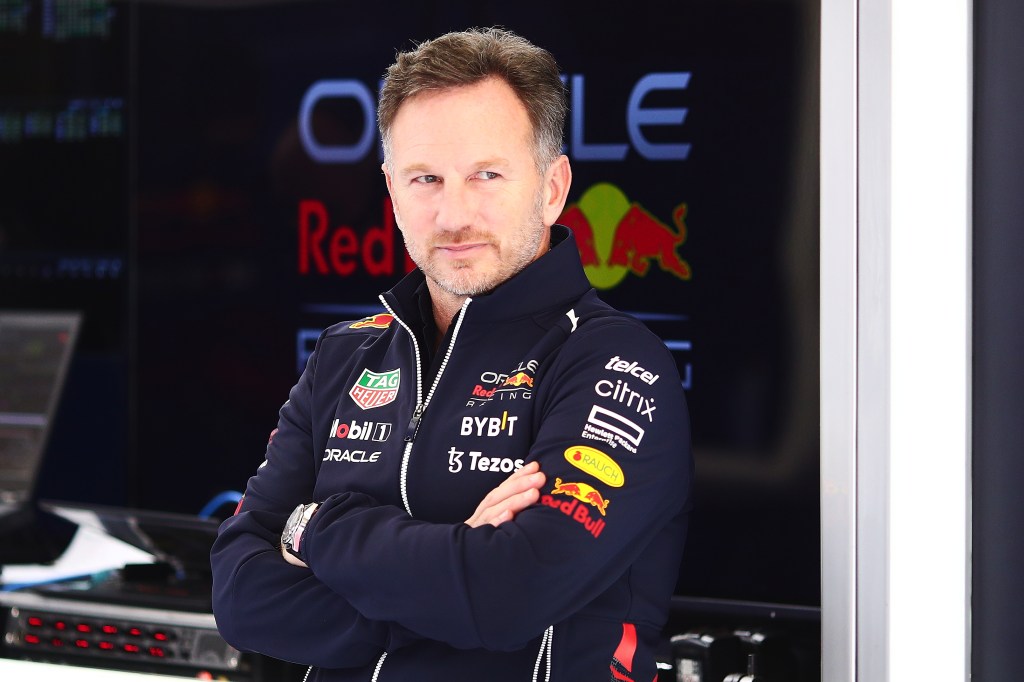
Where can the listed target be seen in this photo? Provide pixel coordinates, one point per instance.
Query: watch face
(290, 525)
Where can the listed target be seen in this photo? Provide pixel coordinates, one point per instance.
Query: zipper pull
(414, 424)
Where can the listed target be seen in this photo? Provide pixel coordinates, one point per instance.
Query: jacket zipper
(417, 414)
(421, 403)
(545, 655)
(411, 431)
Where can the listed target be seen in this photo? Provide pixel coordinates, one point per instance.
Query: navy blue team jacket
(575, 588)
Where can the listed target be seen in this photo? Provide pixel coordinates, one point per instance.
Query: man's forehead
(480, 123)
(488, 93)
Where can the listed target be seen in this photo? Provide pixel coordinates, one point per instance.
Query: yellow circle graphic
(604, 205)
(597, 464)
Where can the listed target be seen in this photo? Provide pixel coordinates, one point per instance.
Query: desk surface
(11, 669)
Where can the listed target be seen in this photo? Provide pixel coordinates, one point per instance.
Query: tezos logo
(373, 389)
(477, 462)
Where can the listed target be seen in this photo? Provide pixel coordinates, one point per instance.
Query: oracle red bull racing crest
(617, 237)
(375, 389)
(504, 386)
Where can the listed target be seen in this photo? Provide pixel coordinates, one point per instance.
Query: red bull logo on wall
(617, 237)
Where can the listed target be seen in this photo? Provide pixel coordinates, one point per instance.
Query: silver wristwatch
(291, 536)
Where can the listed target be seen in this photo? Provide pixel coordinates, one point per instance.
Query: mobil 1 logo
(360, 430)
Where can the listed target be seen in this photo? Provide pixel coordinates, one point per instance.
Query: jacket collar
(554, 280)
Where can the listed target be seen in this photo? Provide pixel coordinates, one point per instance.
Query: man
(490, 480)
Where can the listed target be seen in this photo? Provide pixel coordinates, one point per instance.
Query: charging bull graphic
(616, 237)
(582, 492)
(519, 379)
(381, 321)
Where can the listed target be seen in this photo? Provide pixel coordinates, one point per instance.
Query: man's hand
(292, 559)
(516, 493)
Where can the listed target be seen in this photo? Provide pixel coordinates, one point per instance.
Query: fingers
(515, 493)
(520, 481)
(505, 510)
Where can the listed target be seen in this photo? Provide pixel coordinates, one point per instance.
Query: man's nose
(457, 207)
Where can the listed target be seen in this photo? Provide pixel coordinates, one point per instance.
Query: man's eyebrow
(424, 169)
(416, 168)
(496, 161)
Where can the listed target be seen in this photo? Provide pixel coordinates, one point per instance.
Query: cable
(222, 498)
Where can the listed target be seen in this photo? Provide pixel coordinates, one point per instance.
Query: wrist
(295, 528)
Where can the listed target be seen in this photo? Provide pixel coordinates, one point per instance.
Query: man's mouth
(462, 248)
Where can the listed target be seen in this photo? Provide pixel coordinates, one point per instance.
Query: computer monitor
(35, 351)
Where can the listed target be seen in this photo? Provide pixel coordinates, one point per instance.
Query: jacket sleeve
(497, 588)
(262, 603)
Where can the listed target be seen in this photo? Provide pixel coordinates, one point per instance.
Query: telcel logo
(632, 368)
(638, 117)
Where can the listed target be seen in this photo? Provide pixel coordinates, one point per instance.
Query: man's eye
(425, 179)
(486, 175)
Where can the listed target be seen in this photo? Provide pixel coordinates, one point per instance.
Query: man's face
(468, 197)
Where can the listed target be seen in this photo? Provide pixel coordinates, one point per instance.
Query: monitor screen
(35, 349)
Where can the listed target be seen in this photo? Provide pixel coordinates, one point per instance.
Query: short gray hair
(468, 57)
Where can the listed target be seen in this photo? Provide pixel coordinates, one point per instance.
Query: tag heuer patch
(373, 389)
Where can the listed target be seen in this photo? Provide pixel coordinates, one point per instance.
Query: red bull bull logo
(616, 237)
(576, 511)
(583, 493)
(519, 379)
(381, 321)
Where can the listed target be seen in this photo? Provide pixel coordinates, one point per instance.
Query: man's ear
(394, 201)
(557, 180)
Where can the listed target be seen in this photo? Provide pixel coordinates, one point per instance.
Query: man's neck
(444, 306)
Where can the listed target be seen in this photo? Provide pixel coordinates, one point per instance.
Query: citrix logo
(621, 392)
(356, 430)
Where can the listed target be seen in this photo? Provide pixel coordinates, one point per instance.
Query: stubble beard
(466, 279)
